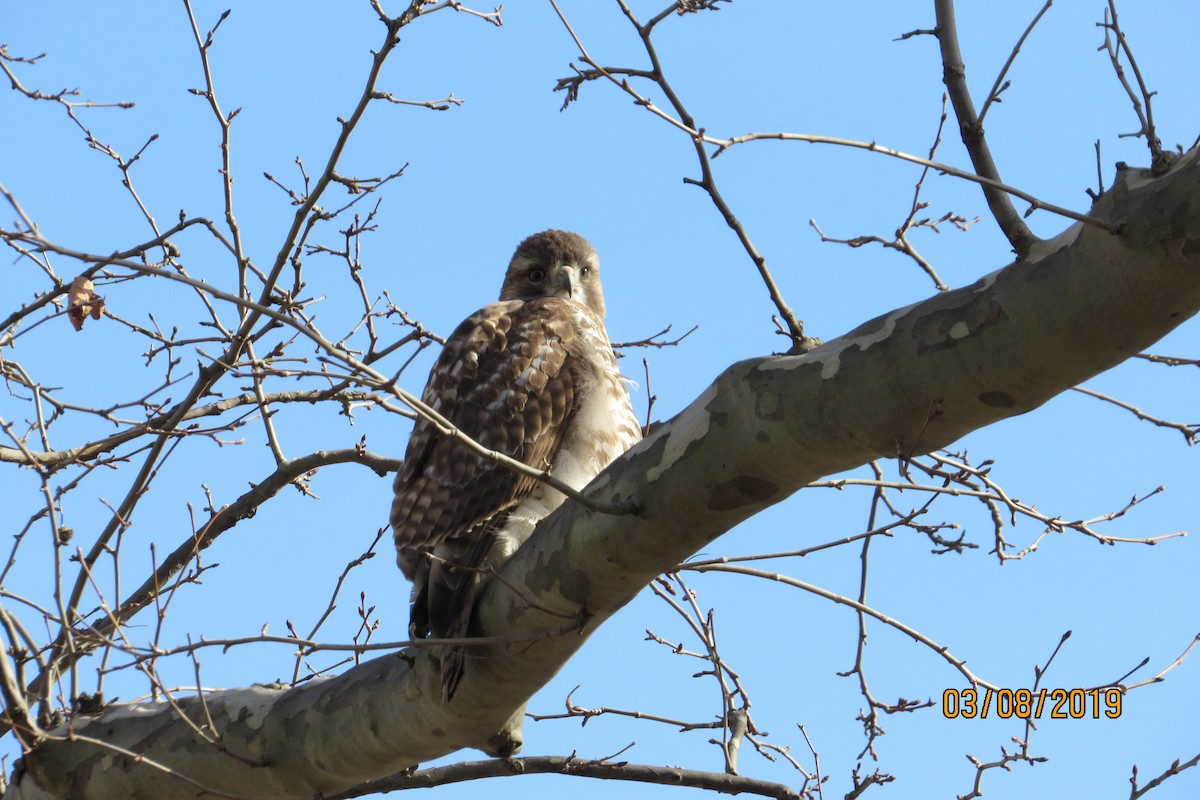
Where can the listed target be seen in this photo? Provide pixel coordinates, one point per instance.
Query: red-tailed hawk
(532, 376)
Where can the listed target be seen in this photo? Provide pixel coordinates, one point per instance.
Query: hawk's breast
(601, 428)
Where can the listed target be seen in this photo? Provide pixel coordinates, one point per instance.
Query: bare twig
(1177, 766)
(723, 783)
(941, 650)
(1115, 44)
(1001, 85)
(1190, 431)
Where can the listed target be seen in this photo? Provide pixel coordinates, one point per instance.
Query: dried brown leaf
(82, 301)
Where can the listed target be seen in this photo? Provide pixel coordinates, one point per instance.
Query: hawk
(532, 376)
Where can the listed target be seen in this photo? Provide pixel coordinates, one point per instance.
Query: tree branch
(767, 427)
(971, 129)
(721, 782)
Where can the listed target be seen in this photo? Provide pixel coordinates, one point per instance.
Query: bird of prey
(532, 376)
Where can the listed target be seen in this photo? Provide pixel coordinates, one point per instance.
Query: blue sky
(507, 163)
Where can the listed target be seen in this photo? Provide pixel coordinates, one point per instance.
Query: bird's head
(555, 264)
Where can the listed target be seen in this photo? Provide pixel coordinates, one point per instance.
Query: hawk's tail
(454, 586)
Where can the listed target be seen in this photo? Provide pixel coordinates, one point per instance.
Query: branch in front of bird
(580, 619)
(649, 341)
(445, 428)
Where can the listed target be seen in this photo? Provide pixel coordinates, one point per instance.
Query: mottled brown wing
(507, 378)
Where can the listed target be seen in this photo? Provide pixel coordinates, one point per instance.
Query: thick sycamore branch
(907, 382)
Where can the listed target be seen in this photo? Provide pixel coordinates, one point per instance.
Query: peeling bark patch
(984, 283)
(1049, 247)
(682, 437)
(858, 340)
(762, 381)
(766, 401)
(244, 726)
(741, 491)
(573, 583)
(870, 328)
(1182, 229)
(943, 328)
(997, 399)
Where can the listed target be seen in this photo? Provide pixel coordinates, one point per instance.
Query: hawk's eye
(537, 275)
(585, 270)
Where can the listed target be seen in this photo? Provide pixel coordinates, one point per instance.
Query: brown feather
(444, 489)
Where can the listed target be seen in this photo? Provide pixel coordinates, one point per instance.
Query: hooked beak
(565, 280)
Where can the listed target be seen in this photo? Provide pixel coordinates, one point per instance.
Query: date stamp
(1032, 703)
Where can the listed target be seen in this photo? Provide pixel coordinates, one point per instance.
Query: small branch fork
(1114, 45)
(870, 716)
(942, 650)
(1177, 766)
(971, 125)
(1022, 753)
(960, 478)
(1190, 430)
(1002, 85)
(707, 181)
(734, 721)
(900, 241)
(63, 97)
(971, 128)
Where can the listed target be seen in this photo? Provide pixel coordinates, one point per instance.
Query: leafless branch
(971, 129)
(1190, 431)
(434, 105)
(1001, 85)
(1177, 766)
(795, 329)
(941, 650)
(1115, 44)
(573, 765)
(1170, 361)
(654, 341)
